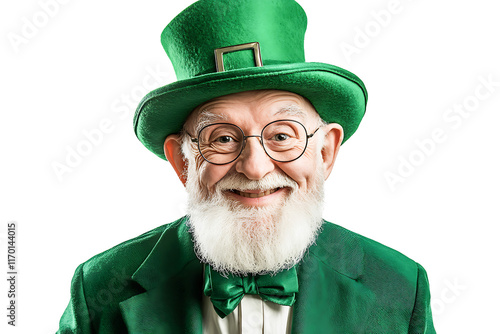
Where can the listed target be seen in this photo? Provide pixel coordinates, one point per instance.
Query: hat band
(219, 59)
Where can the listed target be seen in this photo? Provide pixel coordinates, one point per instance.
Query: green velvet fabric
(279, 26)
(154, 284)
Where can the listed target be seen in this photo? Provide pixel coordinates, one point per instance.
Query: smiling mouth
(255, 194)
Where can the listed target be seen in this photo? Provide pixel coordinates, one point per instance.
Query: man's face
(255, 214)
(251, 111)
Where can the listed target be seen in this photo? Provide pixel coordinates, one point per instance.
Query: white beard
(238, 239)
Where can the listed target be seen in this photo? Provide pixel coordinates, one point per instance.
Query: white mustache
(237, 181)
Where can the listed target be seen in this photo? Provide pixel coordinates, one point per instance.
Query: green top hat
(220, 47)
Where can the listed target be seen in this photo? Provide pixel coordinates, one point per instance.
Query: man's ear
(173, 153)
(334, 134)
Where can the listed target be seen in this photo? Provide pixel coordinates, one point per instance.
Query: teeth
(256, 195)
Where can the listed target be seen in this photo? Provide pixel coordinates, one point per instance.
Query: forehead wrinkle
(292, 110)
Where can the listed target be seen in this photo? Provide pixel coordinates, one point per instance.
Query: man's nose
(253, 161)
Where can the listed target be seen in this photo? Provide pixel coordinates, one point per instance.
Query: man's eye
(224, 139)
(281, 137)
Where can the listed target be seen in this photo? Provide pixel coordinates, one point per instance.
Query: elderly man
(252, 131)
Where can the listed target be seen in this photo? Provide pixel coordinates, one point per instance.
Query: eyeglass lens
(282, 140)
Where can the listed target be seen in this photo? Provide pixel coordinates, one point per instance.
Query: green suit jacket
(153, 284)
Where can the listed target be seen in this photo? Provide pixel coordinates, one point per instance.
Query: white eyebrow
(206, 117)
(291, 110)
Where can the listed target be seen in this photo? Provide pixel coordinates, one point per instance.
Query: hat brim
(337, 95)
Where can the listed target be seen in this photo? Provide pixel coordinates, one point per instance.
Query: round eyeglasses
(222, 143)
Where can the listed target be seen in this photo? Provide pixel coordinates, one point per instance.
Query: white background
(78, 66)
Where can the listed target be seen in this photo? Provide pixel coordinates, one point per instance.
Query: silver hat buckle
(219, 59)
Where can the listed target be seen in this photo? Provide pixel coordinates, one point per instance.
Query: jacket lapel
(330, 298)
(172, 278)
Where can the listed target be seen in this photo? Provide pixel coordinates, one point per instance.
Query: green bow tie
(226, 293)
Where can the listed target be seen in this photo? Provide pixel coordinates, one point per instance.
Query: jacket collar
(339, 249)
(335, 247)
(172, 278)
(173, 251)
(329, 284)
